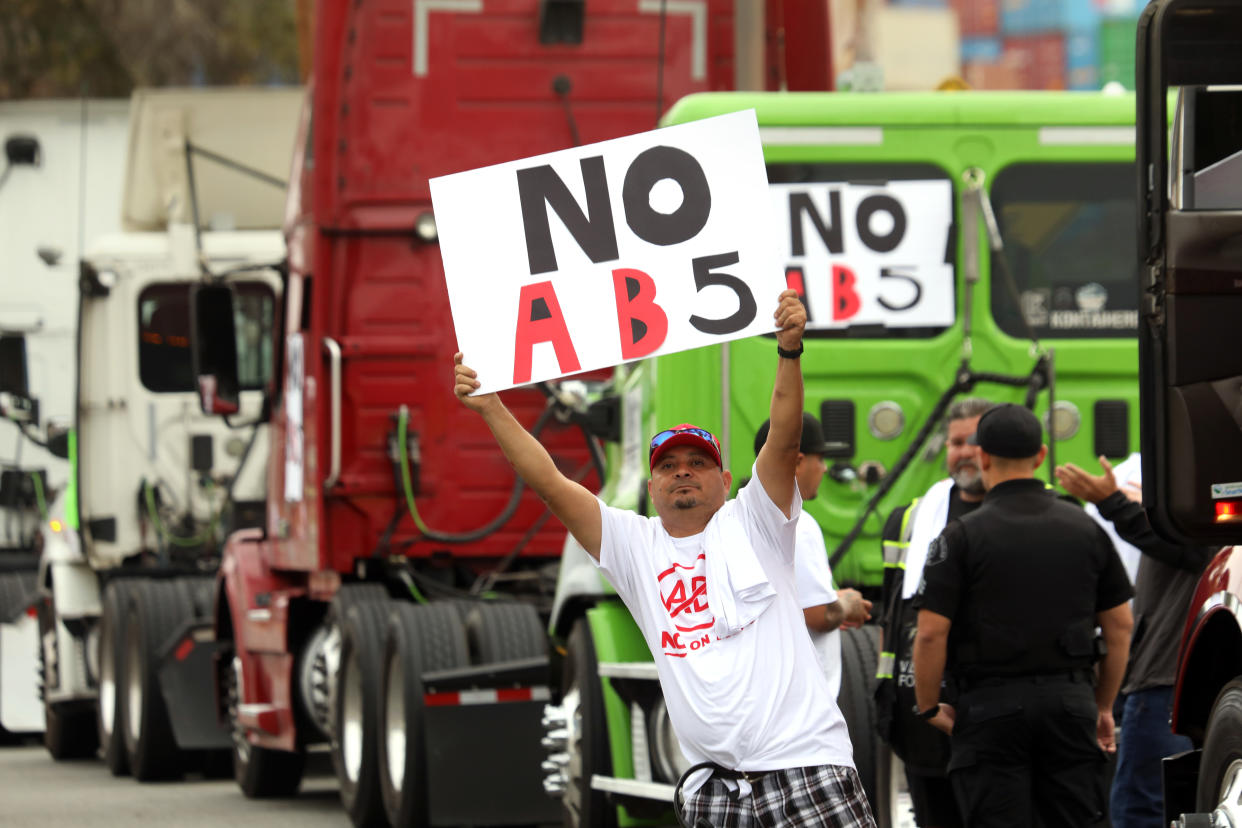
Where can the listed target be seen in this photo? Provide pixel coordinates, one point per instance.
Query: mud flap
(21, 708)
(484, 752)
(1180, 777)
(187, 680)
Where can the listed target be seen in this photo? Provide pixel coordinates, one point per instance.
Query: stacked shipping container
(1044, 44)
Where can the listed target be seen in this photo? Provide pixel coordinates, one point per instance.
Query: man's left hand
(791, 320)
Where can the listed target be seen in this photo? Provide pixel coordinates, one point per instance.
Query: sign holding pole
(597, 255)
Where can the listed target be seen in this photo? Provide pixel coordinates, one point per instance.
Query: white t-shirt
(814, 578)
(752, 701)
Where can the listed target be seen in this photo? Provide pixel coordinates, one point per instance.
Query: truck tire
(111, 667)
(418, 639)
(588, 747)
(505, 632)
(355, 731)
(156, 608)
(69, 728)
(1220, 766)
(859, 655)
(260, 772)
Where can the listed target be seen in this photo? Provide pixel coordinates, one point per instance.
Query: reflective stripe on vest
(884, 667)
(895, 551)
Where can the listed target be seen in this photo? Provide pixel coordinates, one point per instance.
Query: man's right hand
(1105, 732)
(465, 383)
(856, 609)
(1089, 487)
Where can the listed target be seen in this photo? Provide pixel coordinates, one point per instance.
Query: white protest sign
(869, 254)
(593, 256)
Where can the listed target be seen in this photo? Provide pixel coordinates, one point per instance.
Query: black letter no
(593, 232)
(684, 223)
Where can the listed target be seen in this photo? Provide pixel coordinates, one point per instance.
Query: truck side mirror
(214, 348)
(13, 365)
(15, 401)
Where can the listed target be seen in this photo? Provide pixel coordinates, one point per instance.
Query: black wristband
(929, 713)
(789, 354)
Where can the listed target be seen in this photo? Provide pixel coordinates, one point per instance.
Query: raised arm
(572, 504)
(779, 455)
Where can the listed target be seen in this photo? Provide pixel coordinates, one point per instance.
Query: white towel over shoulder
(929, 521)
(738, 590)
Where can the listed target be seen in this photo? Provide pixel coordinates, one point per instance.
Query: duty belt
(1082, 674)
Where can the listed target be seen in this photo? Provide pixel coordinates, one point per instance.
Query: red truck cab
(356, 616)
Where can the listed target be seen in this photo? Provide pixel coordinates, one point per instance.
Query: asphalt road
(36, 792)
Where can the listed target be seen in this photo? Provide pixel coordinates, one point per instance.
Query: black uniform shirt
(1022, 579)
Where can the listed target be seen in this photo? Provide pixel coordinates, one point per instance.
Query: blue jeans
(1137, 797)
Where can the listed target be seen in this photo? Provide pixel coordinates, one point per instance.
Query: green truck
(945, 243)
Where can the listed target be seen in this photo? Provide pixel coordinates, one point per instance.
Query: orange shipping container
(977, 17)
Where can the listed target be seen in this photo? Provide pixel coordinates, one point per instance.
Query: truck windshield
(1068, 232)
(164, 361)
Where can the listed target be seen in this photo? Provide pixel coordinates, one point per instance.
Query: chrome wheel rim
(351, 718)
(107, 680)
(394, 723)
(574, 772)
(241, 746)
(134, 691)
(1230, 802)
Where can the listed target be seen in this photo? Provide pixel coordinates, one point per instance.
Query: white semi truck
(130, 545)
(60, 186)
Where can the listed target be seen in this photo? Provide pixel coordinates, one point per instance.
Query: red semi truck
(1190, 197)
(355, 616)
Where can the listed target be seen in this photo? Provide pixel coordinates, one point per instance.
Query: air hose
(403, 461)
(185, 542)
(40, 499)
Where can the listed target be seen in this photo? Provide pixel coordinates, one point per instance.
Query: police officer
(1010, 599)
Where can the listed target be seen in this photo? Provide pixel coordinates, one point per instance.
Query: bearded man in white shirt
(710, 582)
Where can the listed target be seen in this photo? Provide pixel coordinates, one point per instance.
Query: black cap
(1008, 430)
(812, 435)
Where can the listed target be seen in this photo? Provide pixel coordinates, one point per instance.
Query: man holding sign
(710, 582)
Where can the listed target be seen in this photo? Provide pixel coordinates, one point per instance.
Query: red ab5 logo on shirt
(684, 595)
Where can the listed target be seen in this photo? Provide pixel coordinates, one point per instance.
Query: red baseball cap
(686, 434)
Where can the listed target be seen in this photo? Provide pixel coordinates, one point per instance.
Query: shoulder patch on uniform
(937, 550)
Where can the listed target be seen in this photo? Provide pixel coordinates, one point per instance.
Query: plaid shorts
(822, 795)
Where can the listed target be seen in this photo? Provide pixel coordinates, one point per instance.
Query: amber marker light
(55, 525)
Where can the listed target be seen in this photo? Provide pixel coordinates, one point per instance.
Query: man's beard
(969, 479)
(685, 502)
